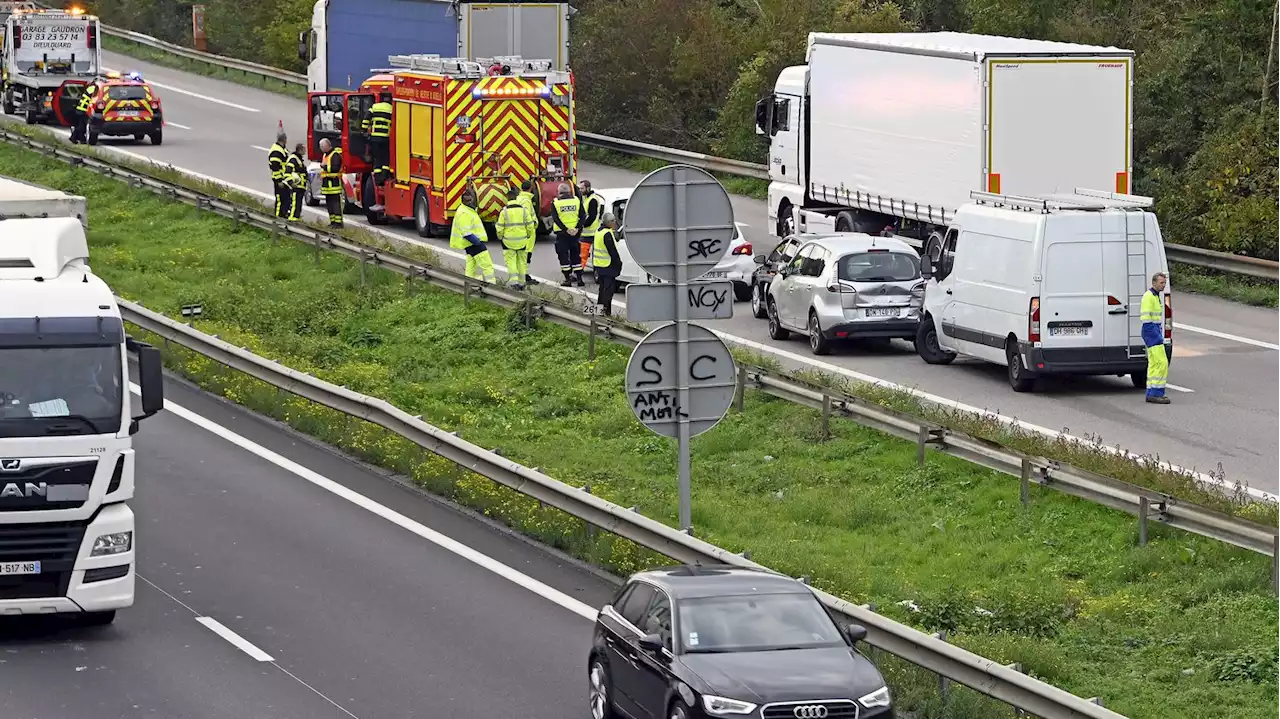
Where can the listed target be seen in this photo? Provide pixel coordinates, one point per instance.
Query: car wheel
(138, 137)
(98, 619)
(93, 138)
(817, 341)
(679, 710)
(927, 344)
(757, 301)
(741, 291)
(157, 137)
(1019, 376)
(776, 330)
(600, 692)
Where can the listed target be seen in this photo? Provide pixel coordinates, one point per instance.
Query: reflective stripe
(276, 160)
(380, 119)
(567, 210)
(513, 223)
(594, 227)
(331, 173)
(1152, 308)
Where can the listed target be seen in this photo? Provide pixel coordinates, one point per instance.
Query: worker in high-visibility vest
(80, 128)
(468, 234)
(606, 261)
(515, 231)
(296, 170)
(377, 125)
(594, 205)
(1153, 338)
(567, 214)
(277, 159)
(331, 181)
(530, 201)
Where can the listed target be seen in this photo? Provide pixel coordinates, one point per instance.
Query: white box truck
(882, 129)
(66, 417)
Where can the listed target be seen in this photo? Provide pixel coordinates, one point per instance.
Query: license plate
(1069, 331)
(883, 312)
(12, 568)
(713, 275)
(127, 113)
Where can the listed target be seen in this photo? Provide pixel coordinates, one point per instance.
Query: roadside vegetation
(1182, 627)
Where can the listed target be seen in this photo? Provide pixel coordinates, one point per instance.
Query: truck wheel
(421, 214)
(32, 117)
(370, 198)
(927, 344)
(9, 108)
(157, 137)
(98, 619)
(933, 247)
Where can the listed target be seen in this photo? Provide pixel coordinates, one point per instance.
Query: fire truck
(488, 124)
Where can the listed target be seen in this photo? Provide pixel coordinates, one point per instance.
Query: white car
(737, 266)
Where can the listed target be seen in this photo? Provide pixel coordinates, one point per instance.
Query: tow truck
(48, 57)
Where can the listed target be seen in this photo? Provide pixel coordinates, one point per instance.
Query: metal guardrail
(1221, 261)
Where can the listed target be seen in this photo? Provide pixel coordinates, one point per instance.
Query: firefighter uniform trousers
(1153, 338)
(331, 185)
(567, 213)
(513, 230)
(277, 159)
(595, 213)
(79, 132)
(379, 128)
(526, 199)
(467, 222)
(297, 174)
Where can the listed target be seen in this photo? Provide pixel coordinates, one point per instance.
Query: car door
(778, 258)
(653, 668)
(809, 282)
(785, 293)
(622, 648)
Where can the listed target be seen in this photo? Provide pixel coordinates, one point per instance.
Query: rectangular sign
(702, 300)
(62, 37)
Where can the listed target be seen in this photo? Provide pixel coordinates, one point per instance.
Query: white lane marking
(750, 344)
(1225, 336)
(174, 124)
(260, 147)
(171, 88)
(444, 542)
(1178, 388)
(236, 640)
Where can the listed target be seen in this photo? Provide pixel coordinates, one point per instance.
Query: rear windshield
(879, 267)
(127, 92)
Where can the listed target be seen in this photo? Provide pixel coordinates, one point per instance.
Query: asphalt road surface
(1225, 370)
(264, 594)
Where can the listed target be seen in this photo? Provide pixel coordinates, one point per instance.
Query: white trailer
(882, 129)
(19, 200)
(48, 57)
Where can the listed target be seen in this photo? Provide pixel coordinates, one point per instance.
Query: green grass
(1182, 627)
(1237, 288)
(177, 62)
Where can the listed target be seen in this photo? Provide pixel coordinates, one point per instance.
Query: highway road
(267, 590)
(1225, 371)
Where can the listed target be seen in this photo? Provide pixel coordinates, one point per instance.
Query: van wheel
(97, 619)
(776, 330)
(758, 308)
(927, 344)
(1020, 378)
(817, 341)
(1139, 380)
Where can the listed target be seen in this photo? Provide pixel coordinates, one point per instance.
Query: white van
(1045, 286)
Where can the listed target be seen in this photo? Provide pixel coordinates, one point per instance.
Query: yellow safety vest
(513, 225)
(331, 173)
(1152, 309)
(379, 120)
(87, 98)
(600, 256)
(466, 221)
(594, 227)
(567, 210)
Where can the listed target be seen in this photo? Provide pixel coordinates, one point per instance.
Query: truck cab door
(324, 121)
(355, 149)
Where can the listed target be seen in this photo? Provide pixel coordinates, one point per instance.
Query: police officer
(515, 230)
(277, 159)
(594, 204)
(378, 127)
(567, 214)
(79, 131)
(1153, 338)
(331, 181)
(530, 201)
(468, 235)
(296, 170)
(607, 262)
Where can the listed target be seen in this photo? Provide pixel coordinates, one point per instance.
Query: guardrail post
(944, 684)
(740, 392)
(826, 416)
(1144, 506)
(363, 258)
(1095, 700)
(1017, 667)
(922, 439)
(466, 291)
(1275, 562)
(591, 528)
(1026, 482)
(591, 339)
(316, 250)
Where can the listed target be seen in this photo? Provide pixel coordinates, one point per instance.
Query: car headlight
(877, 698)
(723, 706)
(109, 544)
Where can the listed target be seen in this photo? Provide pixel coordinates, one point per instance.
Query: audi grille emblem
(810, 711)
(10, 465)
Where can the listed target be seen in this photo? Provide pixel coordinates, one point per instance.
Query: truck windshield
(55, 390)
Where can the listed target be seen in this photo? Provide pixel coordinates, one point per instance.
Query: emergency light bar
(511, 93)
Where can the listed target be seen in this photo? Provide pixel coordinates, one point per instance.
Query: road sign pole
(682, 351)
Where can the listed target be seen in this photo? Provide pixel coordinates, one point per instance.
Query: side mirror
(856, 633)
(150, 378)
(302, 45)
(764, 115)
(784, 271)
(926, 267)
(651, 643)
(760, 259)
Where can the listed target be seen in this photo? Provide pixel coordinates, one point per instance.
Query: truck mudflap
(63, 101)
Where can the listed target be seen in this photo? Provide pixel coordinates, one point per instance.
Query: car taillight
(1168, 317)
(837, 287)
(743, 250)
(1033, 321)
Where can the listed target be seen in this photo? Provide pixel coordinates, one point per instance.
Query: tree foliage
(687, 73)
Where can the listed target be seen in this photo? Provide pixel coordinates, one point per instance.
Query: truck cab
(67, 419)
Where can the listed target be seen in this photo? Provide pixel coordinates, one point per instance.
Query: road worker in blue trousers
(1153, 338)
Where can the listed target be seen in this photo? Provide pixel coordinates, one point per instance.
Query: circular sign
(653, 381)
(678, 215)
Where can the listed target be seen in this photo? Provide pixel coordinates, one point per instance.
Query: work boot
(578, 279)
(1158, 400)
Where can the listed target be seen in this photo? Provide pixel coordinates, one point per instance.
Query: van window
(948, 260)
(879, 267)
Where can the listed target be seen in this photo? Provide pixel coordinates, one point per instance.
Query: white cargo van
(1045, 286)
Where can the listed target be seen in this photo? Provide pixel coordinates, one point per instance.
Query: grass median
(1181, 627)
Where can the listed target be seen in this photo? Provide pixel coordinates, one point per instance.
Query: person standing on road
(378, 127)
(567, 214)
(595, 212)
(1153, 338)
(331, 181)
(468, 234)
(296, 168)
(530, 201)
(80, 130)
(277, 160)
(607, 262)
(514, 230)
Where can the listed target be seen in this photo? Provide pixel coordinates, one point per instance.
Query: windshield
(756, 623)
(879, 267)
(59, 390)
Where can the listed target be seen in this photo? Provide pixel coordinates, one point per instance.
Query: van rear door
(1132, 252)
(1073, 296)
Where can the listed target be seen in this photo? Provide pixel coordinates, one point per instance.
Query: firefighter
(296, 169)
(595, 212)
(567, 214)
(277, 159)
(607, 262)
(377, 126)
(468, 234)
(530, 201)
(80, 128)
(331, 181)
(515, 231)
(1153, 337)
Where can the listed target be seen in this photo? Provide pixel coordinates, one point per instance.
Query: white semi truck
(897, 129)
(66, 416)
(48, 57)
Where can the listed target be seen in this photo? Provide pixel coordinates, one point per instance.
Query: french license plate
(127, 113)
(714, 275)
(1069, 331)
(12, 568)
(882, 312)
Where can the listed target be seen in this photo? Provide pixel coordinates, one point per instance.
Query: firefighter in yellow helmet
(567, 214)
(515, 230)
(468, 234)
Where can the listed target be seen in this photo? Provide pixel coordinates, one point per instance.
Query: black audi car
(722, 641)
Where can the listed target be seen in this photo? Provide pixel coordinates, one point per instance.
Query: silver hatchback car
(847, 286)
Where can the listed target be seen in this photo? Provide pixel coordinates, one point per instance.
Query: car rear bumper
(905, 328)
(1090, 360)
(124, 127)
